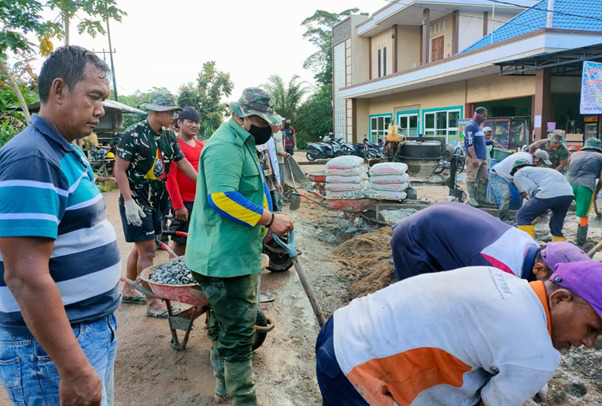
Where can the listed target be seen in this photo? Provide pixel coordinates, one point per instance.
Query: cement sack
(389, 187)
(391, 195)
(387, 179)
(358, 170)
(346, 179)
(346, 187)
(345, 195)
(388, 168)
(344, 162)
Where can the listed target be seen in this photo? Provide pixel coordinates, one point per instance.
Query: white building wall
(470, 29)
(340, 110)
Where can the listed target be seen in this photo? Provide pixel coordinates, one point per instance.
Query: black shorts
(150, 228)
(178, 225)
(290, 149)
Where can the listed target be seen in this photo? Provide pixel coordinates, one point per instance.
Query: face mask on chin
(261, 134)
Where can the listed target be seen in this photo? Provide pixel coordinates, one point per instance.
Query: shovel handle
(309, 292)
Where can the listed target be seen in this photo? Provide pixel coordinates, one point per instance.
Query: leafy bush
(314, 117)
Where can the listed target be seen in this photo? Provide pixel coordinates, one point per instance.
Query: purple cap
(584, 279)
(561, 252)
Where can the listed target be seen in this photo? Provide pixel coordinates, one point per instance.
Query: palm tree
(287, 97)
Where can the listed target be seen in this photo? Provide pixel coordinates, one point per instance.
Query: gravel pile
(357, 194)
(173, 273)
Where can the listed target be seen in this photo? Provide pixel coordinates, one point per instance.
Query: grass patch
(106, 186)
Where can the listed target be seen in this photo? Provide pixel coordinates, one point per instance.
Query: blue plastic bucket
(516, 200)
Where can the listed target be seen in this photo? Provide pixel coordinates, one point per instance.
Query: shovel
(292, 252)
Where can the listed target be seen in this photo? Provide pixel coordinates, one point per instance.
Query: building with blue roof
(427, 64)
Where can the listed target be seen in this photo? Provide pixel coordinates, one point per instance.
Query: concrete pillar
(426, 36)
(542, 102)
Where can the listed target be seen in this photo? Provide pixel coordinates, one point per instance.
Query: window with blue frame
(408, 122)
(379, 123)
(442, 122)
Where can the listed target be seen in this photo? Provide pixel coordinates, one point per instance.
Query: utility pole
(112, 64)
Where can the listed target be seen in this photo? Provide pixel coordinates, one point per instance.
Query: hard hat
(110, 155)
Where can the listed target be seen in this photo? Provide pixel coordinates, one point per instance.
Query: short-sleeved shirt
(218, 246)
(557, 155)
(150, 155)
(47, 190)
(543, 183)
(585, 168)
(474, 136)
(504, 167)
(451, 338)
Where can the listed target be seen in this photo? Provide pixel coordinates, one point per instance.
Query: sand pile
(367, 265)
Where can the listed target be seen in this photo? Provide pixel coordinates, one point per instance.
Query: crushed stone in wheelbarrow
(173, 273)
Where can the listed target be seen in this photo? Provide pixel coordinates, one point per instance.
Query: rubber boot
(581, 235)
(482, 193)
(558, 239)
(472, 195)
(240, 381)
(220, 394)
(529, 229)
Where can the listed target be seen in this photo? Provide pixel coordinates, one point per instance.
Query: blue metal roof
(534, 19)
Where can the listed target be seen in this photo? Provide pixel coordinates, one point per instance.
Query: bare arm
(562, 165)
(186, 167)
(121, 166)
(473, 156)
(28, 277)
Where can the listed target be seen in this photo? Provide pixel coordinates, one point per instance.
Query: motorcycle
(326, 149)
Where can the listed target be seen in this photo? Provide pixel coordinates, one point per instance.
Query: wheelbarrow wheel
(263, 326)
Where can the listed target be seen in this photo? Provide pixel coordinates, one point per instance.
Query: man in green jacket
(230, 218)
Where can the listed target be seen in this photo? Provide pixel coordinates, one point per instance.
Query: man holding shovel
(230, 218)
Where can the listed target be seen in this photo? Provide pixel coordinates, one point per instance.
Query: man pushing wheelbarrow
(231, 215)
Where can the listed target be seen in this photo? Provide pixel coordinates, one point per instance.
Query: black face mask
(261, 134)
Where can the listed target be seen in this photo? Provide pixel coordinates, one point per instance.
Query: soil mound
(367, 262)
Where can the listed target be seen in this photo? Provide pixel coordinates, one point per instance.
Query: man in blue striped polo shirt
(59, 264)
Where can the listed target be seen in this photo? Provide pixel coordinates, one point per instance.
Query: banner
(591, 88)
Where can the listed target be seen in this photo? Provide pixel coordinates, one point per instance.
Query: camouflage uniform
(557, 155)
(150, 155)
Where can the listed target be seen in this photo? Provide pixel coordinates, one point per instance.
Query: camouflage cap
(593, 143)
(518, 164)
(161, 101)
(256, 102)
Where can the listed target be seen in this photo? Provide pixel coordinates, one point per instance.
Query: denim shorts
(30, 377)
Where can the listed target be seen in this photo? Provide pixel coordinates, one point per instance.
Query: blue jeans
(335, 388)
(536, 206)
(30, 377)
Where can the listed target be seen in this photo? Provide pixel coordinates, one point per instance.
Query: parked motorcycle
(326, 149)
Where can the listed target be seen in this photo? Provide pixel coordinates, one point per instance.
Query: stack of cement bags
(389, 180)
(345, 175)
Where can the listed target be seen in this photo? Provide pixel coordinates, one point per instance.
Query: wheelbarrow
(190, 294)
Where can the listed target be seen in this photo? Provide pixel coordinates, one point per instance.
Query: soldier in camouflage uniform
(558, 152)
(144, 154)
(230, 216)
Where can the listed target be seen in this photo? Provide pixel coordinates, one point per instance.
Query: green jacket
(218, 246)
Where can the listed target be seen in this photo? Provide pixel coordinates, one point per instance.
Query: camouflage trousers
(233, 314)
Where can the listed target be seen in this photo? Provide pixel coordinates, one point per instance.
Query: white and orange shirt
(451, 338)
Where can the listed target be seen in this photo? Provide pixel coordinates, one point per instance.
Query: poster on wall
(591, 88)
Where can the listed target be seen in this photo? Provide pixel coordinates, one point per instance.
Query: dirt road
(148, 371)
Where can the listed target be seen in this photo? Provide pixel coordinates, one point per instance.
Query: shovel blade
(295, 201)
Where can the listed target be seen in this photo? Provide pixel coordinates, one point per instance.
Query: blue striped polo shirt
(47, 190)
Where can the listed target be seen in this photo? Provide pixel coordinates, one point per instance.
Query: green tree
(94, 12)
(319, 32)
(287, 97)
(13, 121)
(19, 18)
(314, 118)
(206, 94)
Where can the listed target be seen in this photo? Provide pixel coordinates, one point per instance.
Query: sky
(165, 43)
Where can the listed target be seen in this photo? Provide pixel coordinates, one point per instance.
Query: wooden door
(437, 48)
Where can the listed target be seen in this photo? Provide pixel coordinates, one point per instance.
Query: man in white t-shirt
(500, 178)
(472, 335)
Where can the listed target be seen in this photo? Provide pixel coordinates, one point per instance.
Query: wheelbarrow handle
(290, 246)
